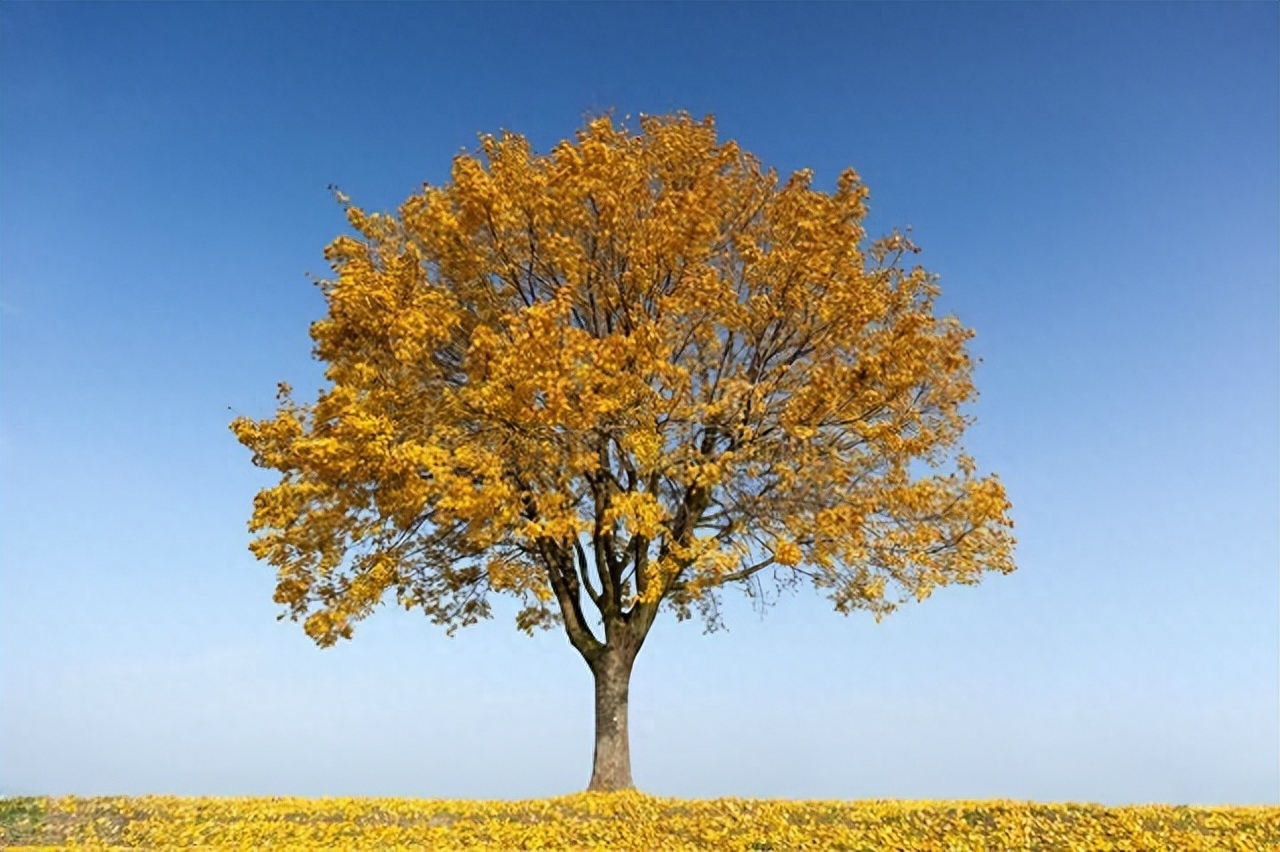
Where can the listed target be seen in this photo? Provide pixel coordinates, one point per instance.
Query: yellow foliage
(631, 821)
(621, 375)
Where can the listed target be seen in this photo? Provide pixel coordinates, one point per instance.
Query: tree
(618, 378)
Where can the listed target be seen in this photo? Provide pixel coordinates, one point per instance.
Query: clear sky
(1096, 185)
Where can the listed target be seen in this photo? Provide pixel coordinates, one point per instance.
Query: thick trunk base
(611, 766)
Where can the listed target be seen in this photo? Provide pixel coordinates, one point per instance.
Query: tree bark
(611, 766)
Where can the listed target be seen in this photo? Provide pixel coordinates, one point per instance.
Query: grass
(22, 820)
(628, 821)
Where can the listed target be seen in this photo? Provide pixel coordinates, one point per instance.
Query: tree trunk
(611, 766)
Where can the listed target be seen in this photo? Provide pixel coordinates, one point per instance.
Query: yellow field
(627, 821)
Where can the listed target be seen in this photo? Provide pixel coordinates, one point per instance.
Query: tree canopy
(620, 377)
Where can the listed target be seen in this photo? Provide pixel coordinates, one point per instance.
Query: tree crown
(622, 375)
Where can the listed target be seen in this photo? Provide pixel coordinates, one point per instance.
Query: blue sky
(1096, 185)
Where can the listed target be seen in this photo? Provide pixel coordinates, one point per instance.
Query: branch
(565, 585)
(602, 544)
(586, 574)
(741, 574)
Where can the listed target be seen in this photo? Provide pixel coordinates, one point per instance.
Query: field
(627, 821)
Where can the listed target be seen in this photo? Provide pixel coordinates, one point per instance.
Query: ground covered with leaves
(627, 821)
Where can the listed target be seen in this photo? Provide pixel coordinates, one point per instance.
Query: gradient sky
(1096, 185)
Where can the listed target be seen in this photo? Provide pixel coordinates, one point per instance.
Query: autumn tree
(615, 379)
